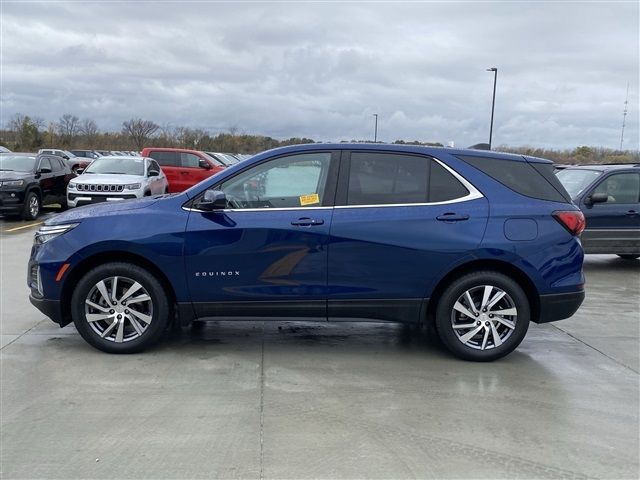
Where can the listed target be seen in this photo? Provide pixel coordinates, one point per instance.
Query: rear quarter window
(526, 178)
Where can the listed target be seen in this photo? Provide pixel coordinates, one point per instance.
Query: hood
(108, 179)
(11, 175)
(100, 210)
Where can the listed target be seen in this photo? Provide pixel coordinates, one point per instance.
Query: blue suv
(478, 243)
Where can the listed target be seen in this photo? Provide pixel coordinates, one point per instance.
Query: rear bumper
(559, 306)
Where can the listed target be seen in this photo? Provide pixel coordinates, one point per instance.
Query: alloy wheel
(118, 309)
(34, 206)
(484, 317)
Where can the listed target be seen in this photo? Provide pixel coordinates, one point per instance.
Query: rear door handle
(452, 217)
(307, 222)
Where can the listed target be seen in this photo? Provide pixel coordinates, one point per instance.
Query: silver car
(111, 179)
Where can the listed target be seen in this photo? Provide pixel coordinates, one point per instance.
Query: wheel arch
(97, 259)
(505, 268)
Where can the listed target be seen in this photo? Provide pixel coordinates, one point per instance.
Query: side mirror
(204, 164)
(596, 198)
(44, 170)
(66, 157)
(79, 171)
(212, 200)
(154, 173)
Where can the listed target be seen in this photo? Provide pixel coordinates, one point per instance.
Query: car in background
(609, 197)
(112, 179)
(183, 167)
(30, 180)
(75, 163)
(4, 149)
(480, 243)
(90, 154)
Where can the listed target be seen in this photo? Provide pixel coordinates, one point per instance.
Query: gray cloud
(321, 70)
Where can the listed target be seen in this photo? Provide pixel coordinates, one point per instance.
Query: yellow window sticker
(309, 199)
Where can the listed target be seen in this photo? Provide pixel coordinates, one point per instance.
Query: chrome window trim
(473, 194)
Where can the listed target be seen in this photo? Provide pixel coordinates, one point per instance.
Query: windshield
(214, 160)
(575, 180)
(122, 166)
(17, 163)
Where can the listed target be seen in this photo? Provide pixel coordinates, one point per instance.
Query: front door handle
(631, 213)
(452, 217)
(307, 222)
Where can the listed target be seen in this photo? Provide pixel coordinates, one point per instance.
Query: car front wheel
(120, 308)
(482, 316)
(31, 207)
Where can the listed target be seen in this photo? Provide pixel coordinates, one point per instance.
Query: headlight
(71, 186)
(49, 232)
(133, 186)
(12, 183)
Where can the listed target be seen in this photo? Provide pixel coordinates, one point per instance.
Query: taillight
(572, 220)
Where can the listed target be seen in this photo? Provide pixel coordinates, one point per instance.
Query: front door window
(289, 182)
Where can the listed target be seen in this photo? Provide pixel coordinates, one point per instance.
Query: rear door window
(395, 179)
(167, 159)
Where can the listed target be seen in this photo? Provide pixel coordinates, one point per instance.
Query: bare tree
(139, 130)
(68, 127)
(88, 127)
(15, 122)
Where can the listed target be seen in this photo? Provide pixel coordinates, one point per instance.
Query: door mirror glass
(212, 200)
(204, 164)
(79, 171)
(45, 170)
(154, 173)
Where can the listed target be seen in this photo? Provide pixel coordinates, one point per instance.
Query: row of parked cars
(30, 180)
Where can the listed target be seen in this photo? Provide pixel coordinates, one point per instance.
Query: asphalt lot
(285, 400)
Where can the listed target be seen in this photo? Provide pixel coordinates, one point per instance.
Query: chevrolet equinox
(479, 243)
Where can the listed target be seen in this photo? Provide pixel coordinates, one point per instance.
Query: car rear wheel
(482, 316)
(31, 207)
(120, 308)
(628, 256)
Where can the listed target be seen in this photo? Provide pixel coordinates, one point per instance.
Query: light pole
(375, 132)
(493, 102)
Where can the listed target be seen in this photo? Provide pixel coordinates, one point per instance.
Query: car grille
(90, 187)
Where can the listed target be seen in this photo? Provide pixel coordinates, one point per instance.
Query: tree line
(26, 133)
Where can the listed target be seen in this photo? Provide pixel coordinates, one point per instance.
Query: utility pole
(624, 116)
(493, 101)
(375, 133)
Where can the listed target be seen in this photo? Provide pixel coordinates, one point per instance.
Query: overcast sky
(322, 69)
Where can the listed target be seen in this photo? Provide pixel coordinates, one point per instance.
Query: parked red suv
(183, 167)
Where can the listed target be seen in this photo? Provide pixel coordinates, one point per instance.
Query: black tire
(64, 205)
(31, 200)
(160, 313)
(628, 256)
(445, 309)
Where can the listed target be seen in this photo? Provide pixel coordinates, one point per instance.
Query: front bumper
(87, 198)
(51, 308)
(559, 306)
(11, 202)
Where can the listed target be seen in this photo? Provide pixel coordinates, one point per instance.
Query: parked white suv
(111, 179)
